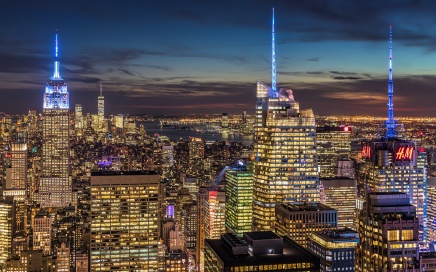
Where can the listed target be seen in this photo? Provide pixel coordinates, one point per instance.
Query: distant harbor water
(176, 134)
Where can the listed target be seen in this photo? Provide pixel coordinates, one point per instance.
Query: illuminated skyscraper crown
(391, 123)
(56, 94)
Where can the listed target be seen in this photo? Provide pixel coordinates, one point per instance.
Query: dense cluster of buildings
(90, 192)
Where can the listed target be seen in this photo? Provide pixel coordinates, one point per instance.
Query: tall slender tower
(55, 185)
(391, 123)
(100, 108)
(285, 167)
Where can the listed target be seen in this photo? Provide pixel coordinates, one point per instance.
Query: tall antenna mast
(391, 123)
(274, 81)
(101, 89)
(56, 74)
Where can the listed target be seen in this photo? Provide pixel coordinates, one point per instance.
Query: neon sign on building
(404, 153)
(366, 151)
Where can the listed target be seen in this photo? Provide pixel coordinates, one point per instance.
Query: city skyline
(188, 57)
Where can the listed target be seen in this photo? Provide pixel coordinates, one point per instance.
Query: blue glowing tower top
(56, 75)
(391, 123)
(56, 95)
(274, 80)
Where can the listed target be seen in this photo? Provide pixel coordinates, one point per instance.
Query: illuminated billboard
(404, 152)
(366, 151)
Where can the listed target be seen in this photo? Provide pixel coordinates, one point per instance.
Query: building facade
(336, 249)
(5, 232)
(78, 117)
(19, 167)
(215, 211)
(431, 209)
(125, 224)
(340, 194)
(298, 221)
(42, 232)
(388, 231)
(239, 199)
(333, 145)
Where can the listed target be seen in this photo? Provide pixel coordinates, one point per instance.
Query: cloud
(315, 59)
(346, 78)
(301, 73)
(156, 67)
(130, 73)
(13, 63)
(358, 97)
(83, 79)
(342, 73)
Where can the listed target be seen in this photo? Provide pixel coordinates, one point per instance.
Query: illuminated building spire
(274, 81)
(56, 93)
(391, 123)
(56, 74)
(101, 89)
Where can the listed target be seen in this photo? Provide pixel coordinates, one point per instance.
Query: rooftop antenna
(391, 123)
(101, 89)
(274, 81)
(56, 74)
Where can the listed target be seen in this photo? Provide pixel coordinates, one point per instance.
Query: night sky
(182, 57)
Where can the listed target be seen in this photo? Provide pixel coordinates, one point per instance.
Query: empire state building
(55, 188)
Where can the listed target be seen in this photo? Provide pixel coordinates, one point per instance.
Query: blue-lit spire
(391, 123)
(56, 94)
(274, 81)
(56, 74)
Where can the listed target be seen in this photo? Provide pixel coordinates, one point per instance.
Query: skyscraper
(431, 212)
(5, 232)
(214, 218)
(388, 231)
(298, 221)
(392, 164)
(78, 117)
(55, 184)
(340, 194)
(333, 144)
(211, 219)
(42, 232)
(196, 155)
(18, 180)
(125, 224)
(336, 249)
(285, 166)
(225, 123)
(239, 198)
(100, 108)
(63, 258)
